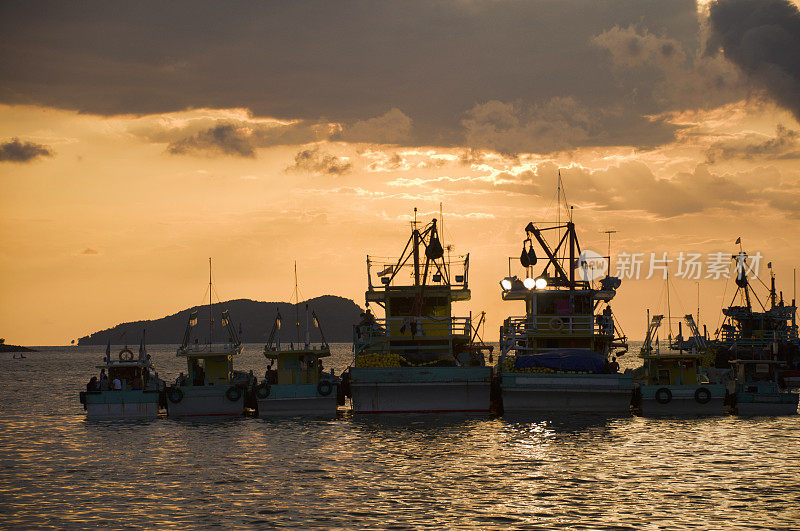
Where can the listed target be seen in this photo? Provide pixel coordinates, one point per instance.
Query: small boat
(210, 387)
(299, 386)
(560, 356)
(420, 358)
(129, 387)
(673, 383)
(758, 389)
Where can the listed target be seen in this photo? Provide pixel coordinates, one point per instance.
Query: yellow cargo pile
(378, 359)
(508, 366)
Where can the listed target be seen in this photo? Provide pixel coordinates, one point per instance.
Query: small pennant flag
(108, 350)
(738, 240)
(193, 319)
(769, 265)
(386, 271)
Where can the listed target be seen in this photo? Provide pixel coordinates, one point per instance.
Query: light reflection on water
(59, 470)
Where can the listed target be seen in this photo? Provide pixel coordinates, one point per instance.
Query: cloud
(629, 48)
(90, 251)
(762, 37)
(241, 138)
(393, 127)
(784, 145)
(350, 63)
(226, 139)
(561, 123)
(681, 80)
(319, 162)
(16, 151)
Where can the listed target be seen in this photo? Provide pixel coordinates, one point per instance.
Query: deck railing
(380, 332)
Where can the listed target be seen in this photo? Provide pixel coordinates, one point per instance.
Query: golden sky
(131, 155)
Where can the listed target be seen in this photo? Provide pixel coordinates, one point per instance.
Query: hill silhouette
(337, 316)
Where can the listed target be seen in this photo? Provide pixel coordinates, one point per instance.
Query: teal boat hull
(755, 404)
(118, 404)
(205, 401)
(421, 390)
(566, 393)
(298, 400)
(683, 400)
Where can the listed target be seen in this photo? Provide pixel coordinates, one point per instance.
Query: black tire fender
(663, 396)
(262, 391)
(233, 393)
(702, 395)
(174, 394)
(324, 388)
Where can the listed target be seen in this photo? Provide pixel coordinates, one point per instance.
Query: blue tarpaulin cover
(566, 359)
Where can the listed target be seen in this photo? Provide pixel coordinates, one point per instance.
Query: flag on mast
(738, 240)
(108, 350)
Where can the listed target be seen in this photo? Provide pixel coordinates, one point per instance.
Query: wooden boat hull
(134, 404)
(682, 400)
(421, 390)
(565, 393)
(205, 401)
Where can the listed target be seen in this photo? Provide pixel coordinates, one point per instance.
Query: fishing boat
(560, 356)
(210, 386)
(420, 358)
(299, 386)
(128, 387)
(760, 390)
(765, 332)
(673, 382)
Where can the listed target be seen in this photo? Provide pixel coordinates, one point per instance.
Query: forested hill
(337, 316)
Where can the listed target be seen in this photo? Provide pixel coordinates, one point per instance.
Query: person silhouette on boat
(93, 384)
(103, 380)
(613, 367)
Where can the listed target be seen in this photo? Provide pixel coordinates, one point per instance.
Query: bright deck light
(505, 284)
(541, 283)
(529, 283)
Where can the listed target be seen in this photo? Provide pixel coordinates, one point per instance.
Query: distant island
(337, 315)
(13, 348)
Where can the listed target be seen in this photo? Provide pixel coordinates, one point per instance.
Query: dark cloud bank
(762, 37)
(432, 67)
(16, 151)
(532, 75)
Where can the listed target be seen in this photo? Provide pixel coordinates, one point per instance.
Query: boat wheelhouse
(760, 390)
(129, 387)
(559, 356)
(420, 357)
(210, 386)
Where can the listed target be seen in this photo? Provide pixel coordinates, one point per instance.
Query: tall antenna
(609, 232)
(698, 303)
(210, 307)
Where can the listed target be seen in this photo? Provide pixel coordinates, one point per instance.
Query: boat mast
(416, 249)
(669, 310)
(210, 307)
(296, 304)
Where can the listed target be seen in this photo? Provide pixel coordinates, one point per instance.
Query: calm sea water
(58, 470)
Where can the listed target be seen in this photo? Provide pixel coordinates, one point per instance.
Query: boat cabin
(753, 375)
(207, 368)
(133, 375)
(302, 366)
(672, 369)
